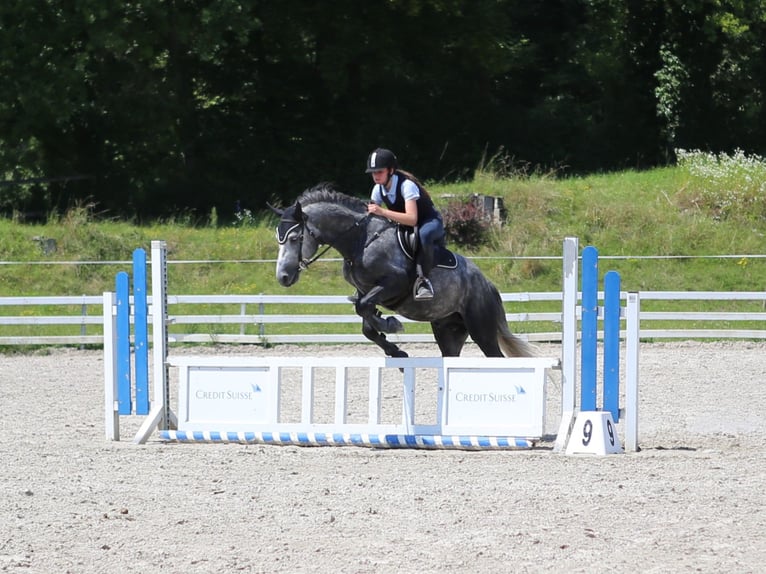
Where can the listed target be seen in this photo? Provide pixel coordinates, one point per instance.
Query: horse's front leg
(367, 309)
(374, 335)
(374, 325)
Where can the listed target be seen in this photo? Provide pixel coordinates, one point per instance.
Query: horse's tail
(510, 344)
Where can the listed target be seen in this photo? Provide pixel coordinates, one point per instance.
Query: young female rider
(406, 202)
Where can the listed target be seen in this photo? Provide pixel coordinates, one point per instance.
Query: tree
(156, 108)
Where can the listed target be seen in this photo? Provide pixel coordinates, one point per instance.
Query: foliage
(465, 224)
(671, 77)
(157, 108)
(244, 217)
(725, 186)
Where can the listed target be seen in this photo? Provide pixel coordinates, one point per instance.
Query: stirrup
(422, 290)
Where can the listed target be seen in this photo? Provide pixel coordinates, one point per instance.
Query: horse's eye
(295, 238)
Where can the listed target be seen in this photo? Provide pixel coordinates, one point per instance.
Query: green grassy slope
(670, 212)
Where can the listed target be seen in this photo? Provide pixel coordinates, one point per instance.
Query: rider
(406, 202)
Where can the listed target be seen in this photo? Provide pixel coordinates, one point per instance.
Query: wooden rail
(21, 315)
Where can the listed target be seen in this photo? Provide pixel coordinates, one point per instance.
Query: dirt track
(694, 498)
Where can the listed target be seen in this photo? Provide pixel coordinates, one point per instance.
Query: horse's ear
(279, 212)
(298, 211)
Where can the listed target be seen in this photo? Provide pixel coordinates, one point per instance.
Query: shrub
(465, 223)
(725, 186)
(243, 217)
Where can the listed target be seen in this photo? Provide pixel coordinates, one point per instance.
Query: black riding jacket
(426, 209)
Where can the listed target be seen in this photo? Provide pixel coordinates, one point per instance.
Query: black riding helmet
(381, 158)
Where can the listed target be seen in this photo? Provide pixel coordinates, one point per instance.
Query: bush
(466, 224)
(725, 186)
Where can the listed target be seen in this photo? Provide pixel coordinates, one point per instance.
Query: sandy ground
(693, 499)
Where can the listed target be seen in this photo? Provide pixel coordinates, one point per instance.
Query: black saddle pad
(445, 258)
(408, 242)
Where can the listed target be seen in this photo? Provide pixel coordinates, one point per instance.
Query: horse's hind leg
(484, 334)
(450, 335)
(380, 340)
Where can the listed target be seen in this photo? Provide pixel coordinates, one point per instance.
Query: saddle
(409, 242)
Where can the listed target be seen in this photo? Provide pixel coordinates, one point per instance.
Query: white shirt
(409, 191)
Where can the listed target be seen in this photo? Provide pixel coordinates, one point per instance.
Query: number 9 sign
(594, 433)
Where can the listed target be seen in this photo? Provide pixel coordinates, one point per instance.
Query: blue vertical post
(141, 330)
(589, 326)
(612, 344)
(122, 290)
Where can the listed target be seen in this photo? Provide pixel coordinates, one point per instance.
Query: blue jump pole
(612, 344)
(122, 290)
(589, 327)
(141, 329)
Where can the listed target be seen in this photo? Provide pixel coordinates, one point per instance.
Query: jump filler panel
(484, 397)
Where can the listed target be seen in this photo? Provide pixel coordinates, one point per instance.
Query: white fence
(22, 323)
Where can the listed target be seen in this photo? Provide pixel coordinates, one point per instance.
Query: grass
(707, 205)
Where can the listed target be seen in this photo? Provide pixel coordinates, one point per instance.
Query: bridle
(305, 262)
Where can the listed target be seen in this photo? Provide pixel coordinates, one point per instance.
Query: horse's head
(297, 244)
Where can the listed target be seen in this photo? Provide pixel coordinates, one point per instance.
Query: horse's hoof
(394, 325)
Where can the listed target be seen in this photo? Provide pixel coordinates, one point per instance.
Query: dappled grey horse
(378, 266)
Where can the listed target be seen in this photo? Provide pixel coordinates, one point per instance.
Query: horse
(376, 264)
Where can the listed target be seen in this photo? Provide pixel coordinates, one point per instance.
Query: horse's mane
(326, 193)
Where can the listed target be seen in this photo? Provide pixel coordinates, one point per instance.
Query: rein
(304, 264)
